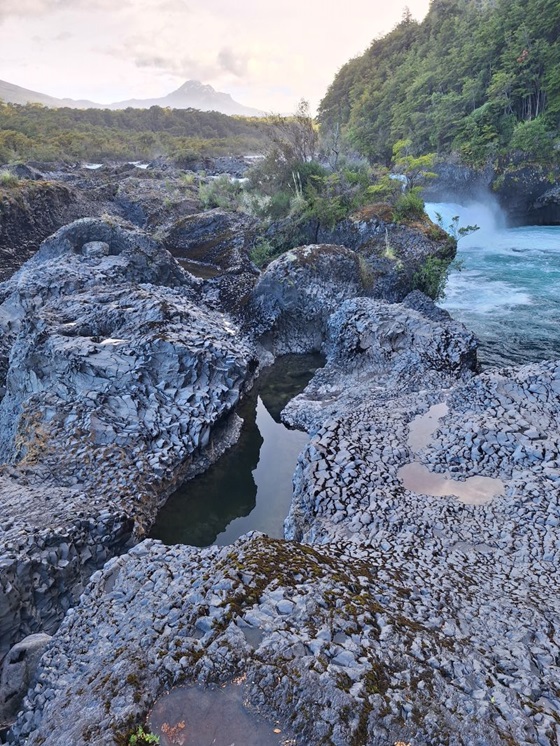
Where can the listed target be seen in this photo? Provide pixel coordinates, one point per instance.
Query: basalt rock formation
(29, 212)
(118, 383)
(527, 193)
(395, 613)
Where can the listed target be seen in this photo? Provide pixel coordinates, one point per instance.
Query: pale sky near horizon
(266, 54)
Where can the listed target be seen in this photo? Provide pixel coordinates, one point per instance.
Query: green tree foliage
(466, 79)
(34, 132)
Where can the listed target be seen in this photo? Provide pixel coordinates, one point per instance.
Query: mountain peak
(194, 86)
(190, 95)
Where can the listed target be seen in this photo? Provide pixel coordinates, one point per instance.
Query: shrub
(409, 206)
(262, 252)
(140, 737)
(221, 192)
(8, 179)
(432, 276)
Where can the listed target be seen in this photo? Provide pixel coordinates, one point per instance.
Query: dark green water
(250, 487)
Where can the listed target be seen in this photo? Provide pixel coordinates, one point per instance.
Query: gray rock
(18, 670)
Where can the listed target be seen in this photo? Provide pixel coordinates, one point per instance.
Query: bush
(140, 737)
(432, 276)
(8, 179)
(409, 206)
(262, 252)
(221, 192)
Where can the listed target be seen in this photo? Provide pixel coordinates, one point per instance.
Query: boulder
(296, 294)
(215, 237)
(18, 670)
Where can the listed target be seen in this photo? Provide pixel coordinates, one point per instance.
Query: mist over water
(508, 290)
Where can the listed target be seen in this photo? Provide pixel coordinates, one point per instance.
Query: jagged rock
(376, 351)
(523, 190)
(547, 206)
(339, 643)
(155, 203)
(216, 245)
(29, 212)
(213, 237)
(18, 670)
(118, 384)
(393, 253)
(297, 293)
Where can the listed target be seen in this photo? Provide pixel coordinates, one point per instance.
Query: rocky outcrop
(157, 202)
(216, 237)
(394, 254)
(526, 192)
(18, 671)
(216, 245)
(294, 297)
(398, 613)
(521, 189)
(377, 351)
(118, 384)
(31, 210)
(296, 294)
(483, 562)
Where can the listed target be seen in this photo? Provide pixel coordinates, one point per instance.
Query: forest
(35, 132)
(480, 78)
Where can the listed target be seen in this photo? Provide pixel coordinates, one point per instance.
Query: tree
(295, 138)
(414, 167)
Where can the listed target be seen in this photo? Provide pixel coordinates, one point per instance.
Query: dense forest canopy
(479, 77)
(33, 131)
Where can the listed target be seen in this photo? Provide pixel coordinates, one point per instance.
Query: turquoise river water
(508, 290)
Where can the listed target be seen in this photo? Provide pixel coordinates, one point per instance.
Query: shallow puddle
(198, 716)
(473, 491)
(421, 429)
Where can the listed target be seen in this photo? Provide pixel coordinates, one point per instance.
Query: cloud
(233, 62)
(26, 8)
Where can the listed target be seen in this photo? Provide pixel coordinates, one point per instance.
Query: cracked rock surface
(388, 614)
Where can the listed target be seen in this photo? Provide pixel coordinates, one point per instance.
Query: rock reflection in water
(418, 478)
(195, 716)
(250, 487)
(473, 491)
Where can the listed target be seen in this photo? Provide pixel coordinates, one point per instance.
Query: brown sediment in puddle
(473, 491)
(204, 716)
(421, 428)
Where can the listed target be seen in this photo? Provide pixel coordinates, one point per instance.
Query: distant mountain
(15, 94)
(191, 95)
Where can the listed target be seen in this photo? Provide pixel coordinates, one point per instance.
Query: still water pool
(250, 486)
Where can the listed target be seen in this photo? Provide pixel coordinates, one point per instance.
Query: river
(508, 288)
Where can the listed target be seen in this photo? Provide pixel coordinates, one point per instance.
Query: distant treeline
(478, 77)
(35, 132)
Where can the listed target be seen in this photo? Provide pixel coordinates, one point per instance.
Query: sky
(266, 54)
